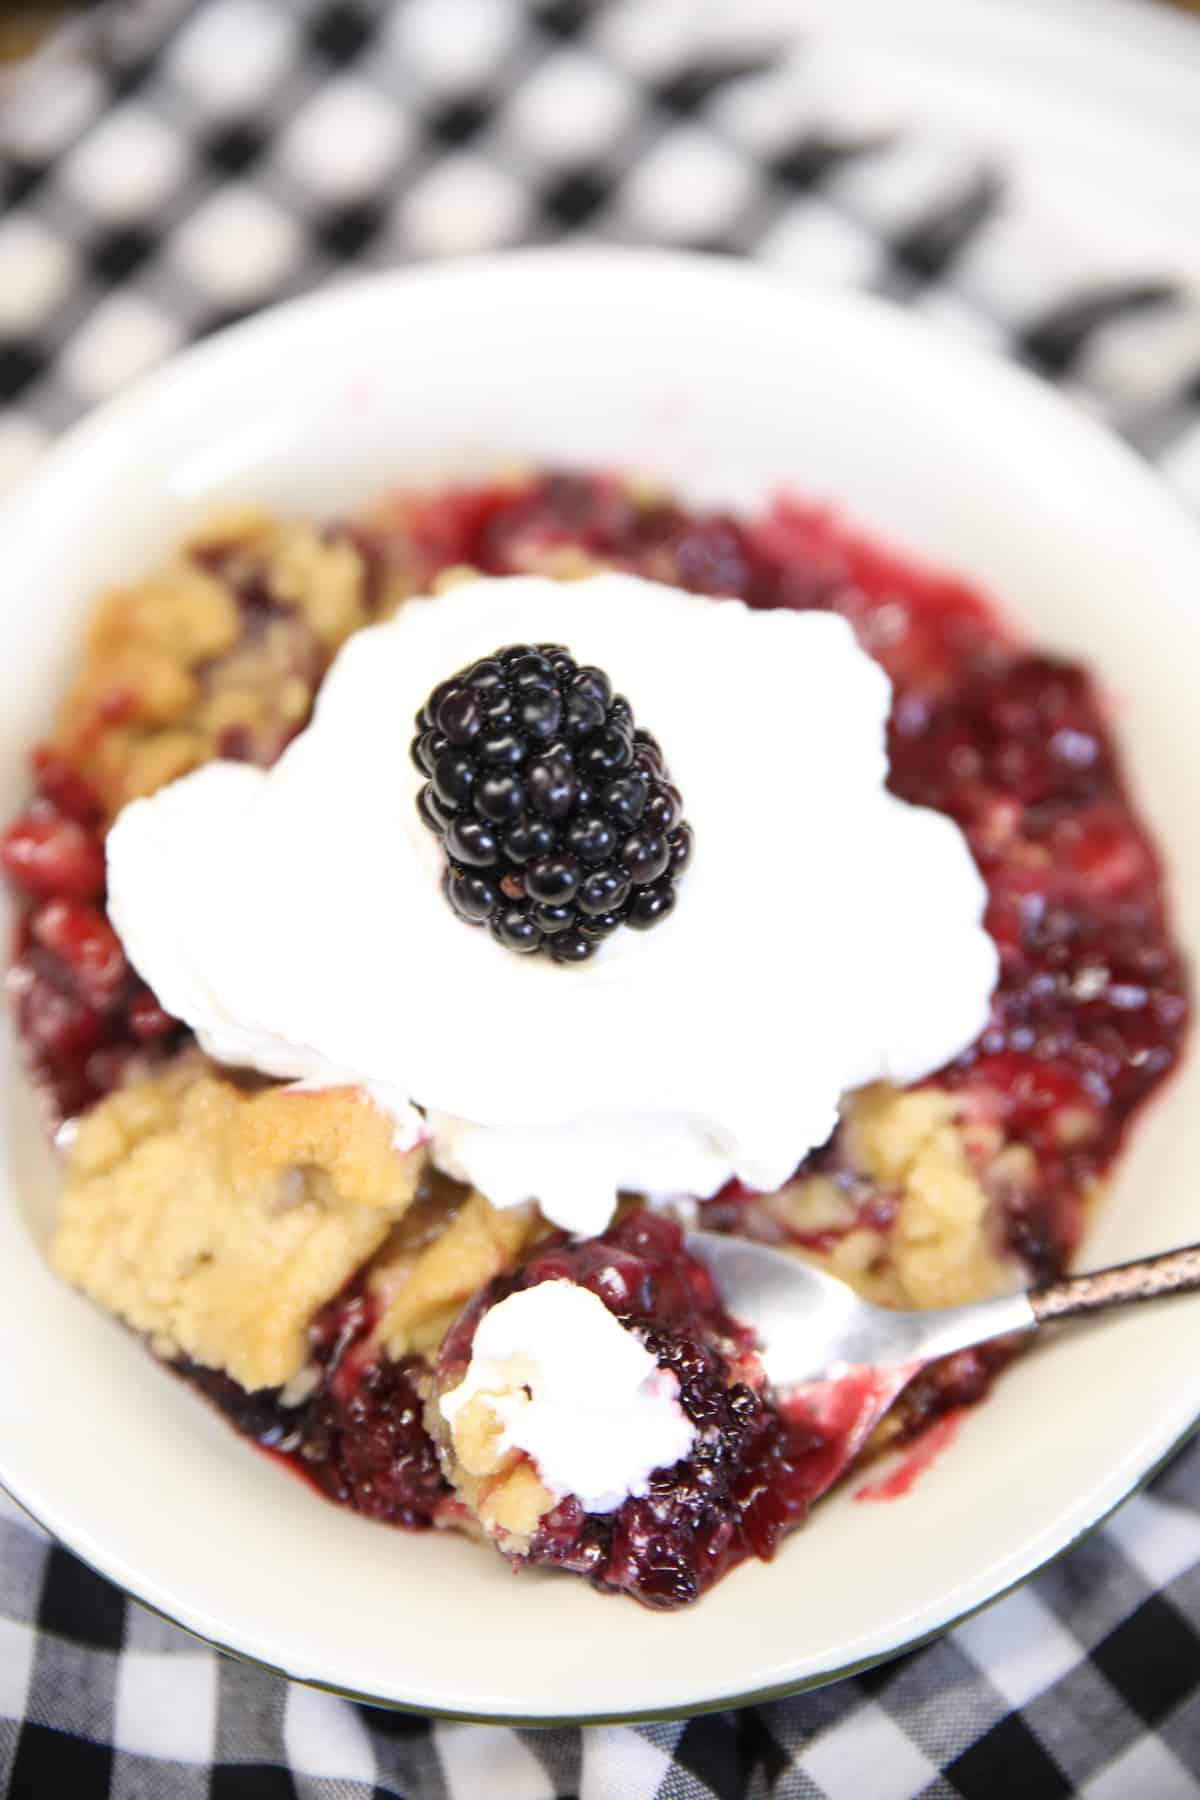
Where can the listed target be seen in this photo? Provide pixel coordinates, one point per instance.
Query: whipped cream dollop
(577, 1392)
(826, 933)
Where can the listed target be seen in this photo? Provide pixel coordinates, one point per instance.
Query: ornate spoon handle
(1175, 1272)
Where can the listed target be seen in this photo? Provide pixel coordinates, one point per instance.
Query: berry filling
(357, 1435)
(753, 1472)
(84, 1018)
(559, 821)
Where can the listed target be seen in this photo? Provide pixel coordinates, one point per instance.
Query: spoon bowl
(810, 1325)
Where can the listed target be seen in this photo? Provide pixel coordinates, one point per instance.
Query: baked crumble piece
(218, 652)
(220, 1221)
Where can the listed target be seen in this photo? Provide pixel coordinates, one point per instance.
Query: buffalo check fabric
(165, 168)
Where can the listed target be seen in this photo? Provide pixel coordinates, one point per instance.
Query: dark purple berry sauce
(358, 1435)
(753, 1472)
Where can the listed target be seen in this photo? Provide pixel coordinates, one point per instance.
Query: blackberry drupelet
(557, 815)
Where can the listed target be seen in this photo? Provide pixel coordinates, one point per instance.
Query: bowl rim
(787, 1690)
(1035, 400)
(188, 362)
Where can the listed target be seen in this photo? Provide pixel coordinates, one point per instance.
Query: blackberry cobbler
(632, 865)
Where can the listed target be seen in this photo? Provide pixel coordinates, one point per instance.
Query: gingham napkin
(165, 169)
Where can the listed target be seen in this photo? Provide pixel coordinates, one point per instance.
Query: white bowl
(730, 383)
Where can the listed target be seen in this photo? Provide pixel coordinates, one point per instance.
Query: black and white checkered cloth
(168, 167)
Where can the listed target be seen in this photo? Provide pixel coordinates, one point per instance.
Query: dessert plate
(730, 383)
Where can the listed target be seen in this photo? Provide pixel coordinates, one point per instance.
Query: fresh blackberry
(557, 815)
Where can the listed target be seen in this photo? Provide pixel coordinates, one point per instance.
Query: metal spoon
(844, 1362)
(810, 1324)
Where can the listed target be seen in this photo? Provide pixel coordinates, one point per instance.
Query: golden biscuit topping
(219, 1221)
